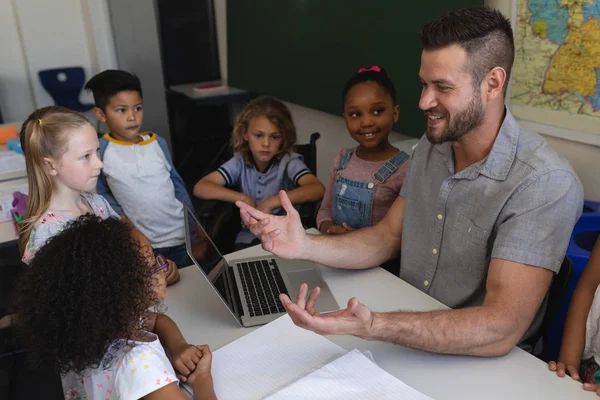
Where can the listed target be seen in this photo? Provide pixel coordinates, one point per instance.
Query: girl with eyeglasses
(82, 309)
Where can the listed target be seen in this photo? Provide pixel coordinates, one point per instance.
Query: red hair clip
(374, 68)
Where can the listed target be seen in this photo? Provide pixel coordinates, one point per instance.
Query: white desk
(203, 318)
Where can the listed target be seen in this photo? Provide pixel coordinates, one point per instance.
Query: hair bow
(374, 68)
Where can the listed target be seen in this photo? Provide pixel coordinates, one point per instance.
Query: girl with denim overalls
(364, 181)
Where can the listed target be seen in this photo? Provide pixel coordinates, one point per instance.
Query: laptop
(250, 287)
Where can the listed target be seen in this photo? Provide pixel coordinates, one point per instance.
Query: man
(483, 218)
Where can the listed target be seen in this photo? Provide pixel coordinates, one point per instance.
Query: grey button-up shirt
(520, 203)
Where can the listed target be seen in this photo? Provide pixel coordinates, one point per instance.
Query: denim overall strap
(345, 159)
(390, 166)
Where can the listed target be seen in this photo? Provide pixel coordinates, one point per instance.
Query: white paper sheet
(350, 377)
(268, 359)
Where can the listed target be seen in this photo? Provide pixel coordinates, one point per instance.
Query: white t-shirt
(139, 371)
(139, 177)
(592, 330)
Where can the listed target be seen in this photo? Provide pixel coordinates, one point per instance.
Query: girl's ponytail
(43, 134)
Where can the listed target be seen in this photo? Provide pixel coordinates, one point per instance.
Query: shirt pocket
(470, 231)
(350, 204)
(348, 211)
(469, 247)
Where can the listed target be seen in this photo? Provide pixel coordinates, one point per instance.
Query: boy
(138, 179)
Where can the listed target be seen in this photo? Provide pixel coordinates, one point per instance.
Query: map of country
(557, 59)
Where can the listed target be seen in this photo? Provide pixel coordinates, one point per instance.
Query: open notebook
(280, 361)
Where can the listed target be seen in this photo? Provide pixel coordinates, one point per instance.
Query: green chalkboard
(303, 51)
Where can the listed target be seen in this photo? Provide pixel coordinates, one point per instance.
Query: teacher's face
(451, 102)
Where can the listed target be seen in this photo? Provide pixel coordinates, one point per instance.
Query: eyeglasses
(163, 265)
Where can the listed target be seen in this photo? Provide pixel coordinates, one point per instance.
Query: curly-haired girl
(83, 308)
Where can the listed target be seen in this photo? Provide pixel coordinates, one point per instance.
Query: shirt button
(434, 251)
(440, 216)
(426, 283)
(370, 185)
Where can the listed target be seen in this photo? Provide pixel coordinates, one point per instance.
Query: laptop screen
(209, 259)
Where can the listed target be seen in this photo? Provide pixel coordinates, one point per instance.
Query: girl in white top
(83, 309)
(579, 354)
(63, 164)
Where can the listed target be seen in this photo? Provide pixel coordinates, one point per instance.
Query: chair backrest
(556, 295)
(557, 292)
(308, 211)
(309, 152)
(64, 86)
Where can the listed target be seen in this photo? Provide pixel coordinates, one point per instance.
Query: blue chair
(64, 85)
(584, 236)
(591, 207)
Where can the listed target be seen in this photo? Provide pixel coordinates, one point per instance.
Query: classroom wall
(36, 35)
(53, 35)
(16, 96)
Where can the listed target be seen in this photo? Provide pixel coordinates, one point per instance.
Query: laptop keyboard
(262, 284)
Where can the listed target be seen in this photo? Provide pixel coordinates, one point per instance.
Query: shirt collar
(271, 163)
(151, 139)
(500, 159)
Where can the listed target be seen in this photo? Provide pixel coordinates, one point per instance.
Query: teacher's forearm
(471, 331)
(363, 248)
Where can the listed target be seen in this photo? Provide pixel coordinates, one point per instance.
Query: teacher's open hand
(356, 319)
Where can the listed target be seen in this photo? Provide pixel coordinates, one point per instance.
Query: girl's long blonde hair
(277, 113)
(43, 134)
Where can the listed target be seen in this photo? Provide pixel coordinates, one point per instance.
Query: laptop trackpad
(309, 276)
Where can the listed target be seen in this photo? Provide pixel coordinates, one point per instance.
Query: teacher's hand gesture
(280, 235)
(356, 319)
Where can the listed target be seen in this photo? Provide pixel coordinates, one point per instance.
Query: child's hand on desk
(592, 387)
(201, 379)
(172, 273)
(185, 359)
(203, 367)
(562, 369)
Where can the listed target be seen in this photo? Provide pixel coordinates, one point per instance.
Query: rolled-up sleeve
(537, 221)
